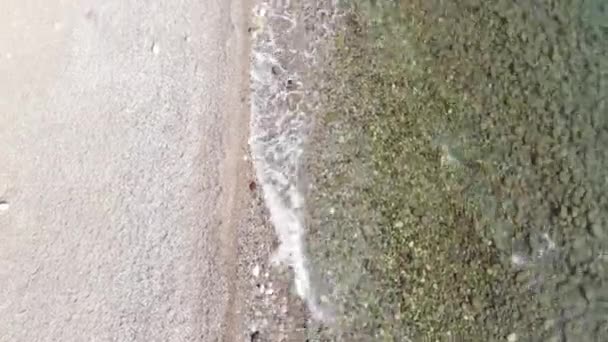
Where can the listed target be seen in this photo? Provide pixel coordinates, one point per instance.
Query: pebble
(597, 230)
(4, 206)
(256, 271)
(155, 49)
(512, 337)
(518, 260)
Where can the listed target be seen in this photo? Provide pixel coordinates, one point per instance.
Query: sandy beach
(124, 180)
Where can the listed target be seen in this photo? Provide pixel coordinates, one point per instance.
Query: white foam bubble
(278, 133)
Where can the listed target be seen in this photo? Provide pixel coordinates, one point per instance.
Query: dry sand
(126, 213)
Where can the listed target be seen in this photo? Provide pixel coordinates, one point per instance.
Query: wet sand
(123, 127)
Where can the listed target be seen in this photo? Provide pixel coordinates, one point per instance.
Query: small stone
(548, 324)
(521, 277)
(564, 177)
(290, 85)
(426, 220)
(512, 337)
(155, 49)
(254, 336)
(597, 230)
(519, 260)
(399, 224)
(4, 206)
(563, 213)
(592, 215)
(256, 271)
(477, 304)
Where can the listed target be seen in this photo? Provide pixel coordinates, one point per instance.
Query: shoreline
(234, 186)
(264, 306)
(288, 38)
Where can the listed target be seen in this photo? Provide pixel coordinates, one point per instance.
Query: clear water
(286, 40)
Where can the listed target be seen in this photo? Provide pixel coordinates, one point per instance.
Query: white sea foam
(282, 51)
